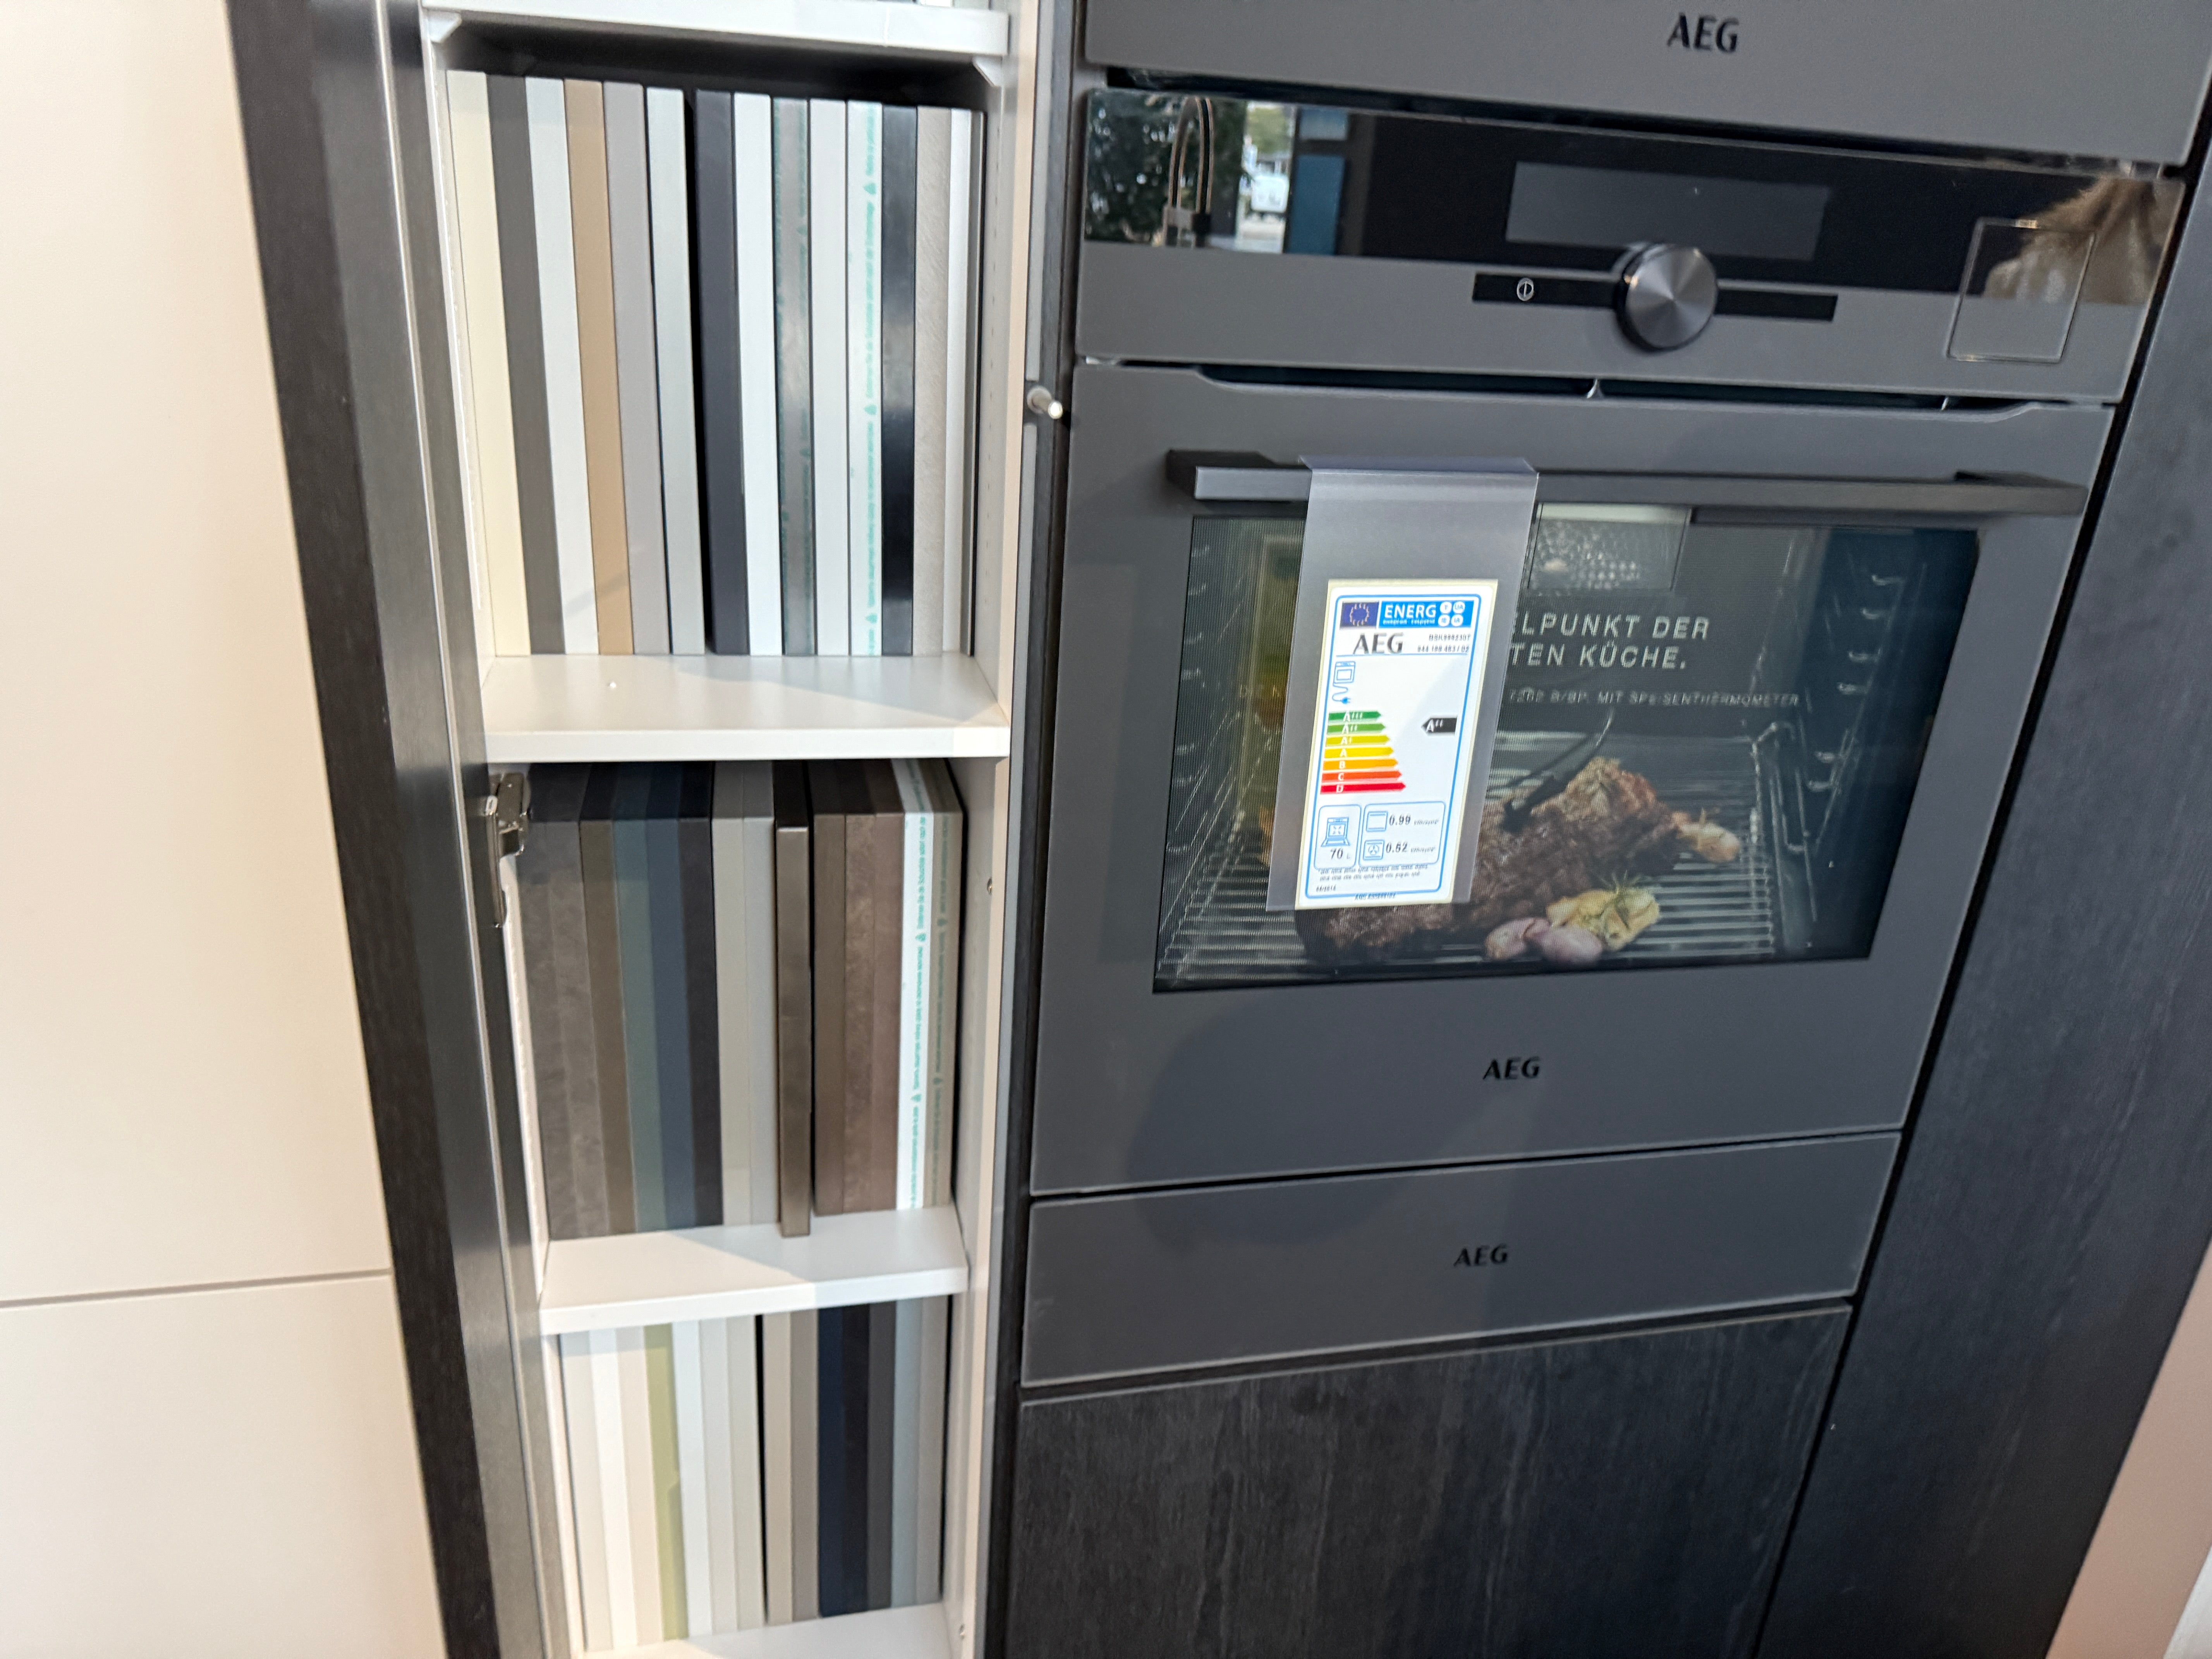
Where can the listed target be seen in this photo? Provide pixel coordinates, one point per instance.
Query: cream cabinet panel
(227, 1473)
(182, 1096)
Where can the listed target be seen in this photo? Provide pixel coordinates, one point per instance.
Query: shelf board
(725, 1272)
(894, 1634)
(658, 709)
(890, 26)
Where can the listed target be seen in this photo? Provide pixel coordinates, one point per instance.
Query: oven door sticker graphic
(1396, 711)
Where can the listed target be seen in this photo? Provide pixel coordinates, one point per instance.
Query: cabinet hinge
(508, 808)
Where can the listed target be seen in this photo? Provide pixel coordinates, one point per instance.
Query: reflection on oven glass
(1191, 173)
(2109, 240)
(1710, 738)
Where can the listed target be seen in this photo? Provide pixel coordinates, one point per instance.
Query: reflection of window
(1709, 740)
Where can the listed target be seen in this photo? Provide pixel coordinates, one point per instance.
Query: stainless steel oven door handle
(1215, 476)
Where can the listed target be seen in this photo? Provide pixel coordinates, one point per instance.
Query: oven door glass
(1711, 732)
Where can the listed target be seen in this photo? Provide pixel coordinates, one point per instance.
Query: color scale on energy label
(1356, 757)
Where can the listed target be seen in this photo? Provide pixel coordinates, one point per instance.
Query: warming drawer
(1213, 1276)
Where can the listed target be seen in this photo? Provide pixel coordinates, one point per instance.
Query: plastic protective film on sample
(1407, 594)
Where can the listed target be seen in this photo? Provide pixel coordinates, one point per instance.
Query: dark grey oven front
(1757, 955)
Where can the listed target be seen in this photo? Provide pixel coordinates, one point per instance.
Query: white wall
(204, 1440)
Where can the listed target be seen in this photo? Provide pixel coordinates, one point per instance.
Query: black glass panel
(1711, 734)
(1183, 170)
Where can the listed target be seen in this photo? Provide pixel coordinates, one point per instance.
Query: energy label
(1402, 667)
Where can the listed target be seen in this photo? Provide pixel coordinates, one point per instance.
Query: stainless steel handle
(1217, 476)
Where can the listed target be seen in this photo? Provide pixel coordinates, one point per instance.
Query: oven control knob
(1666, 296)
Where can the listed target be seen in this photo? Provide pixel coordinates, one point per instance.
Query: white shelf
(894, 1634)
(725, 1272)
(658, 708)
(932, 31)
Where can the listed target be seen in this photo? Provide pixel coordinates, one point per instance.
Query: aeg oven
(1812, 431)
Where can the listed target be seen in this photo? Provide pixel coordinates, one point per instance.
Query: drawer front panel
(1155, 1281)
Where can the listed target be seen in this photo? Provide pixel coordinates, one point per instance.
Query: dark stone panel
(1621, 1496)
(2056, 1196)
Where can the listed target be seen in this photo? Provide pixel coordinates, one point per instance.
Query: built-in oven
(1804, 437)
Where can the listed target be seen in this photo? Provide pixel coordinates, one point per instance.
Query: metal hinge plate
(508, 808)
(506, 813)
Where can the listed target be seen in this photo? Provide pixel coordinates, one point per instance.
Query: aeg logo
(1702, 34)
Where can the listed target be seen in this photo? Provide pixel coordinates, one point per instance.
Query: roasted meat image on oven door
(1582, 848)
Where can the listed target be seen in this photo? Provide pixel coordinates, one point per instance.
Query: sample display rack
(501, 1563)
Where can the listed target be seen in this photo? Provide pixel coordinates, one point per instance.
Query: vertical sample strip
(932, 258)
(610, 1424)
(864, 300)
(564, 366)
(668, 174)
(900, 137)
(760, 947)
(883, 1446)
(710, 1493)
(858, 979)
(825, 232)
(697, 913)
(893, 909)
(832, 1454)
(917, 898)
(833, 998)
(460, 352)
(806, 1480)
(595, 836)
(721, 423)
(491, 409)
(826, 308)
(670, 1003)
(749, 1560)
(531, 952)
(640, 1493)
(777, 1453)
(551, 870)
(667, 1478)
(794, 1012)
(526, 357)
(587, 1490)
(753, 123)
(745, 986)
(693, 1348)
(597, 361)
(795, 378)
(906, 1451)
(852, 1546)
(877, 1116)
(942, 1032)
(960, 297)
(929, 1516)
(636, 365)
(640, 1040)
(943, 981)
(737, 786)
